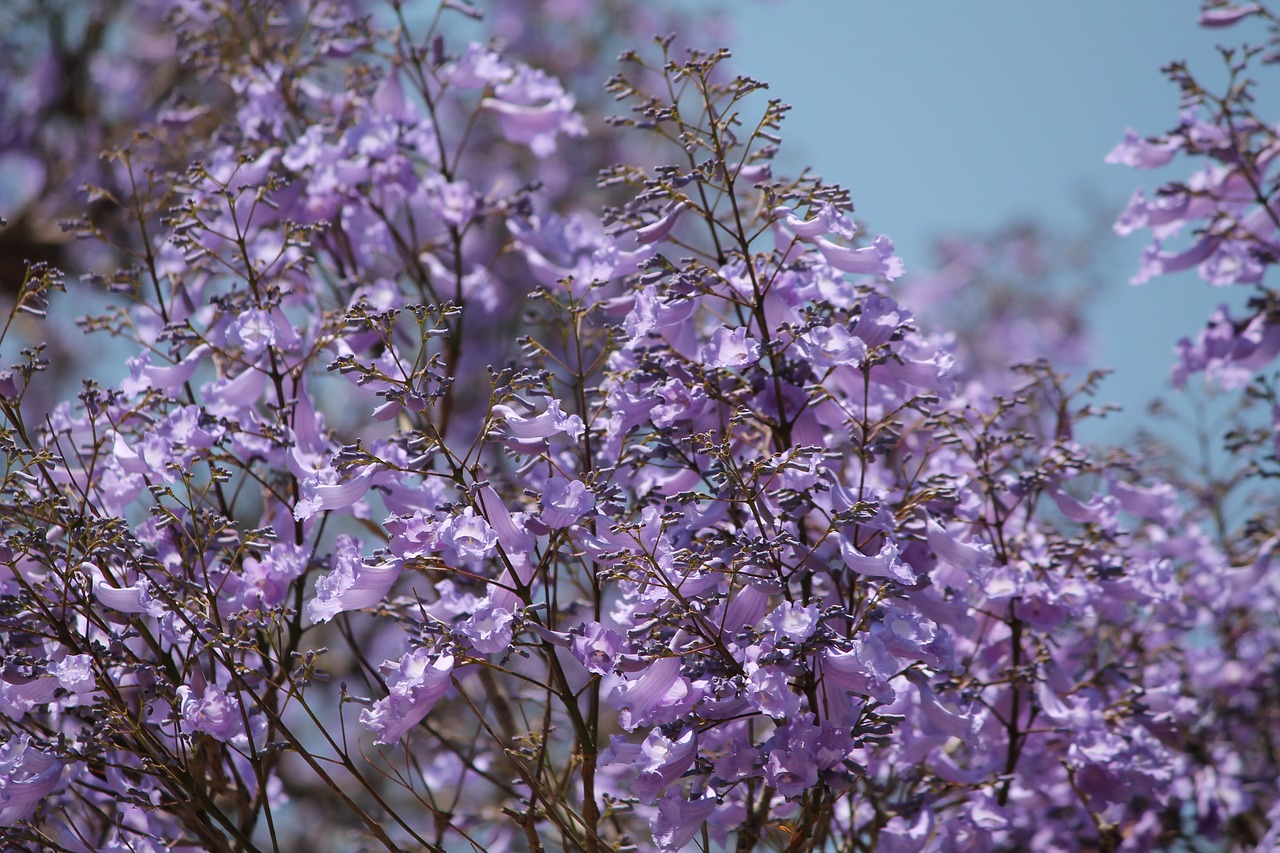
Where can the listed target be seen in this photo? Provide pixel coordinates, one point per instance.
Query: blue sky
(945, 117)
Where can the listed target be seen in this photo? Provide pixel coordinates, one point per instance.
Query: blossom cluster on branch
(458, 495)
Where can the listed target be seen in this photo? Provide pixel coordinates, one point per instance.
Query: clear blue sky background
(946, 117)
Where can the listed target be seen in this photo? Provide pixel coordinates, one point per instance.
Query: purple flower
(19, 697)
(321, 496)
(730, 348)
(886, 564)
(877, 259)
(659, 696)
(1157, 262)
(597, 648)
(135, 598)
(794, 761)
(468, 535)
(864, 670)
(739, 762)
(545, 425)
(414, 535)
(353, 584)
(793, 620)
(257, 330)
(833, 346)
(662, 761)
(829, 219)
(962, 555)
(1101, 509)
(264, 582)
(1154, 503)
(74, 673)
(477, 68)
(940, 718)
(565, 501)
(165, 378)
(488, 630)
(1227, 15)
(218, 714)
(678, 820)
(903, 835)
(769, 691)
(533, 110)
(27, 776)
(914, 637)
(414, 684)
(655, 231)
(1142, 153)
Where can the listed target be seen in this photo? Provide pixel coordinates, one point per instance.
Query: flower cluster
(437, 510)
(1222, 219)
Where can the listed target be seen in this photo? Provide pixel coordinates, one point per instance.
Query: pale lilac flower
(739, 762)
(545, 425)
(730, 348)
(27, 776)
(865, 670)
(525, 121)
(218, 714)
(944, 720)
(1227, 15)
(74, 673)
(17, 698)
(455, 201)
(1154, 503)
(264, 581)
(478, 67)
(1100, 510)
(678, 820)
(793, 620)
(353, 584)
(1165, 215)
(661, 761)
(414, 535)
(135, 598)
(1140, 153)
(488, 630)
(833, 346)
(414, 684)
(912, 636)
(655, 231)
(321, 496)
(565, 501)
(166, 378)
(658, 696)
(886, 564)
(254, 331)
(791, 771)
(769, 691)
(829, 219)
(597, 648)
(971, 558)
(907, 834)
(1155, 261)
(233, 397)
(877, 259)
(468, 535)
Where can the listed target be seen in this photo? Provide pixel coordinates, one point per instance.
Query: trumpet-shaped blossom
(353, 584)
(27, 776)
(218, 714)
(415, 683)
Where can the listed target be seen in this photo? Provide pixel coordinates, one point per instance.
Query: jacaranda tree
(496, 461)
